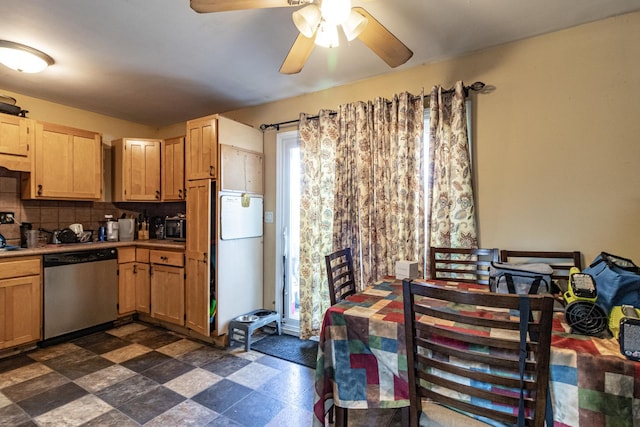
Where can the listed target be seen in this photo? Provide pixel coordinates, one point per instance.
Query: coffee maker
(111, 228)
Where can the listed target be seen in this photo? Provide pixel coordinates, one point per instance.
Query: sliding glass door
(288, 231)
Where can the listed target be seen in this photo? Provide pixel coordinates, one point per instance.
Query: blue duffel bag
(617, 281)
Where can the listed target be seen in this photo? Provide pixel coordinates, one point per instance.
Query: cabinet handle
(135, 269)
(184, 191)
(39, 189)
(180, 193)
(211, 170)
(204, 257)
(157, 194)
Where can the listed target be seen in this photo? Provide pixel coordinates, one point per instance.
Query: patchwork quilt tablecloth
(362, 364)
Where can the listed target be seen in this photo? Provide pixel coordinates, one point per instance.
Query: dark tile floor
(138, 374)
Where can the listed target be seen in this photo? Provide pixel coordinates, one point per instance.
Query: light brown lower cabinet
(126, 288)
(20, 301)
(167, 286)
(134, 280)
(142, 275)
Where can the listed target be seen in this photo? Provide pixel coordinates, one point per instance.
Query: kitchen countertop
(70, 247)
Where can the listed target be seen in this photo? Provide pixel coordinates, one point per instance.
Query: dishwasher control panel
(78, 257)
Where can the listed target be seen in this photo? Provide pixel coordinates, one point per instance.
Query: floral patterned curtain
(377, 194)
(317, 153)
(399, 187)
(451, 219)
(353, 180)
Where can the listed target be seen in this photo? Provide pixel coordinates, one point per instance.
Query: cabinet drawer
(167, 258)
(142, 255)
(20, 267)
(126, 255)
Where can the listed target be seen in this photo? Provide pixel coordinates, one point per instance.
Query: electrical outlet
(6, 218)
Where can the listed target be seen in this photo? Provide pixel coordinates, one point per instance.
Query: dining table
(362, 363)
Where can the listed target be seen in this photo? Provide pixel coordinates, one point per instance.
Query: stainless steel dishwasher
(80, 291)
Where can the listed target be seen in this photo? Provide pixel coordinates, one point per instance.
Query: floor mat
(288, 347)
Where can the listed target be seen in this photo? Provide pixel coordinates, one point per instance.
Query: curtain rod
(477, 86)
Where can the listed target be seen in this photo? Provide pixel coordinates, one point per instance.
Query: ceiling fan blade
(206, 6)
(383, 42)
(298, 54)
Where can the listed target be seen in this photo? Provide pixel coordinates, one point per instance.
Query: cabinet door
(68, 163)
(198, 252)
(143, 287)
(167, 293)
(142, 170)
(126, 288)
(232, 169)
(240, 170)
(20, 311)
(254, 173)
(16, 139)
(173, 169)
(201, 149)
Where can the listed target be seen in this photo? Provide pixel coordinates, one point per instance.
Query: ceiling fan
(318, 23)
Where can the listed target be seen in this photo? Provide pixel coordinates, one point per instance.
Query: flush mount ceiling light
(23, 58)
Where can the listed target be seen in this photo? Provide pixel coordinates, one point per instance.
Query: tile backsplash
(54, 215)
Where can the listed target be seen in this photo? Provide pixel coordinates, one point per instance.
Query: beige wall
(557, 142)
(109, 127)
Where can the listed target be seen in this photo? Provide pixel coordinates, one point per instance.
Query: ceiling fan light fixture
(335, 12)
(23, 58)
(354, 25)
(327, 35)
(307, 19)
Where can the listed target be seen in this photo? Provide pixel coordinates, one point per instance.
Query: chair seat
(434, 415)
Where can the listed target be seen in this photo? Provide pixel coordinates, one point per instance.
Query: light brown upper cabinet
(16, 140)
(136, 169)
(201, 149)
(66, 164)
(241, 170)
(173, 169)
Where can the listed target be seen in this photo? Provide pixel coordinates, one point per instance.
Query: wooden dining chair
(341, 284)
(340, 275)
(461, 265)
(560, 262)
(457, 374)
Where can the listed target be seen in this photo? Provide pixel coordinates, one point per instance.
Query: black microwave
(175, 228)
